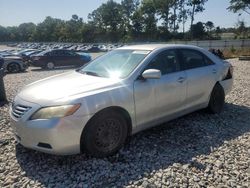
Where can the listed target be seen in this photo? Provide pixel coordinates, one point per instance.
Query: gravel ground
(198, 150)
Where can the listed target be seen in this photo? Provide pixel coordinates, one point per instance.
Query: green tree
(198, 31)
(218, 32)
(49, 30)
(108, 17)
(163, 10)
(148, 9)
(209, 26)
(73, 29)
(174, 18)
(137, 25)
(13, 34)
(128, 10)
(26, 31)
(239, 5)
(183, 14)
(4, 34)
(241, 29)
(196, 7)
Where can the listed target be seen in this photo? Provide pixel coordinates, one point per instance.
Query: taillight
(229, 73)
(231, 70)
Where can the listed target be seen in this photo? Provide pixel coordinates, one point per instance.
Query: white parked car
(95, 108)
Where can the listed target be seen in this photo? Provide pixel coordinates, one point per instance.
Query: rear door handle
(181, 79)
(214, 71)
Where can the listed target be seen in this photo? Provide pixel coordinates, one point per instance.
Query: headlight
(55, 111)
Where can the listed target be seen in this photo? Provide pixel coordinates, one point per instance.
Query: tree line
(130, 20)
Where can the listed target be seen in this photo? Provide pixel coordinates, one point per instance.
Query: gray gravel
(198, 150)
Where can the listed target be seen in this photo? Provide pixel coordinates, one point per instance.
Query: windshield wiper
(89, 73)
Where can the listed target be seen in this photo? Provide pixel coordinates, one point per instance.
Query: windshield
(43, 52)
(115, 64)
(82, 53)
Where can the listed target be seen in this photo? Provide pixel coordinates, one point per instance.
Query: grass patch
(235, 53)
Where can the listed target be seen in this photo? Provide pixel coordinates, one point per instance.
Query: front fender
(117, 97)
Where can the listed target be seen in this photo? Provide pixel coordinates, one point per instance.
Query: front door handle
(214, 71)
(181, 79)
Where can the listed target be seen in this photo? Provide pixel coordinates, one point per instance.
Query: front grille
(19, 110)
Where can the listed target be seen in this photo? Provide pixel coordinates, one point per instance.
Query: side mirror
(151, 74)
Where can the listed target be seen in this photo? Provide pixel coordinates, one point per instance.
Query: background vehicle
(27, 55)
(95, 108)
(14, 64)
(94, 49)
(52, 58)
(1, 62)
(6, 53)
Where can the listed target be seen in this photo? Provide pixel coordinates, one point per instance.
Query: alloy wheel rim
(50, 65)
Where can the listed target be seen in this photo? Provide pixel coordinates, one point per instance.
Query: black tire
(13, 67)
(105, 134)
(217, 99)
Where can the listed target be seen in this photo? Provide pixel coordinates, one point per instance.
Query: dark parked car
(1, 62)
(94, 49)
(13, 64)
(52, 58)
(27, 55)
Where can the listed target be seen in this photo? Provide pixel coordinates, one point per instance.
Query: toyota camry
(95, 108)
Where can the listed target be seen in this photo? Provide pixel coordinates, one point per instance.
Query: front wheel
(217, 99)
(105, 134)
(13, 68)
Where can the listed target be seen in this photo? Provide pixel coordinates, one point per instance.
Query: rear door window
(193, 59)
(54, 53)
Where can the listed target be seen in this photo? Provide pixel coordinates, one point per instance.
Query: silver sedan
(95, 108)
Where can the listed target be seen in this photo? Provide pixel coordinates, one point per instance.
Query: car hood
(65, 85)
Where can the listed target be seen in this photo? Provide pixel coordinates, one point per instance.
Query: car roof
(152, 47)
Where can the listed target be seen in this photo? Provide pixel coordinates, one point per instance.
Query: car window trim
(178, 61)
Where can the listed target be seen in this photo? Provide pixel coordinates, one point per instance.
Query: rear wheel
(217, 99)
(13, 67)
(105, 134)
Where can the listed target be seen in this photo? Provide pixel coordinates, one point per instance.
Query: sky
(15, 12)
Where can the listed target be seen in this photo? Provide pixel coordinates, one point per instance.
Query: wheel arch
(218, 82)
(13, 62)
(118, 109)
(17, 62)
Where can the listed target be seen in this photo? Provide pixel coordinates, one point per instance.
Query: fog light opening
(44, 145)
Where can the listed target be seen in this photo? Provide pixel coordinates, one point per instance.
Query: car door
(200, 76)
(155, 99)
(67, 58)
(57, 57)
(75, 59)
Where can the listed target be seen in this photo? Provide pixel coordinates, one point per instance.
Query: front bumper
(60, 136)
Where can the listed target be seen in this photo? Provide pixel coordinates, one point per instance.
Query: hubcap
(50, 65)
(108, 134)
